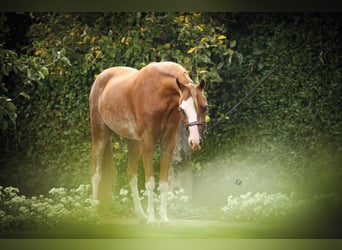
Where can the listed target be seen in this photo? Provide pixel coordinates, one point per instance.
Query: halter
(190, 124)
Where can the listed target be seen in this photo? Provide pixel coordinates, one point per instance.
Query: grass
(177, 229)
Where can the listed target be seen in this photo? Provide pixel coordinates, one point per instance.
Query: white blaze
(190, 111)
(163, 187)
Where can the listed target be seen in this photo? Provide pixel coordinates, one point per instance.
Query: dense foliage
(291, 125)
(68, 51)
(59, 207)
(289, 130)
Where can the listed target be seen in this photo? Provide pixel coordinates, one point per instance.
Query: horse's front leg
(132, 171)
(167, 148)
(147, 155)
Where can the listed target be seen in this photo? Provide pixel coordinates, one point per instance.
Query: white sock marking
(163, 187)
(150, 185)
(136, 198)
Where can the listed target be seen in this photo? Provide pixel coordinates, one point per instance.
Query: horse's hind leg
(102, 165)
(132, 171)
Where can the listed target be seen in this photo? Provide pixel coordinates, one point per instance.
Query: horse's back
(110, 98)
(130, 101)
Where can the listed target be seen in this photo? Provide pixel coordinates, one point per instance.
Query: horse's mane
(174, 70)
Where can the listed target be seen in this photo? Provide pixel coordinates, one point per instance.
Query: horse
(145, 107)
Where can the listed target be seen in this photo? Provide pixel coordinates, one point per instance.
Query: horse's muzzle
(195, 144)
(195, 138)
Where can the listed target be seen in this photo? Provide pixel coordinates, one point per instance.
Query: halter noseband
(190, 124)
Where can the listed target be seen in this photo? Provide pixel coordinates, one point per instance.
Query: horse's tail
(102, 166)
(108, 178)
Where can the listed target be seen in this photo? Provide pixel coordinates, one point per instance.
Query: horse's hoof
(148, 221)
(164, 223)
(151, 221)
(143, 221)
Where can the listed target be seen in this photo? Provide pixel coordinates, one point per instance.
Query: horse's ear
(202, 84)
(179, 84)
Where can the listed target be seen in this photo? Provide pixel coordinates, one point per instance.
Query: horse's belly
(126, 129)
(124, 126)
(115, 106)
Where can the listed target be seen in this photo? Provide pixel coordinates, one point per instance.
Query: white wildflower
(184, 198)
(123, 191)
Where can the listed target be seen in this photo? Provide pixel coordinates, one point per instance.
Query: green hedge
(291, 123)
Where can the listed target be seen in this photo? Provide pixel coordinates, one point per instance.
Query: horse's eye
(181, 110)
(205, 108)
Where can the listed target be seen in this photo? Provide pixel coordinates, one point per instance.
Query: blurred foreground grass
(180, 229)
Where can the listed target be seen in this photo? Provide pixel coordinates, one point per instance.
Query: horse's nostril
(191, 143)
(200, 142)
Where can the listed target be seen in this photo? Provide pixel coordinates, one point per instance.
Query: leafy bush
(264, 207)
(73, 207)
(59, 207)
(260, 206)
(292, 124)
(63, 207)
(179, 204)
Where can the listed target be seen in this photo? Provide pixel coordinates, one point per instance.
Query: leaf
(65, 60)
(25, 95)
(4, 125)
(230, 52)
(220, 65)
(232, 43)
(221, 37)
(199, 28)
(205, 59)
(38, 52)
(4, 71)
(41, 75)
(29, 73)
(258, 52)
(261, 66)
(191, 50)
(44, 71)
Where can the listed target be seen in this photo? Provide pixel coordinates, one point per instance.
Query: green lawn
(178, 229)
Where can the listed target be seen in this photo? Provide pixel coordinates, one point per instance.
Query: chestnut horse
(145, 107)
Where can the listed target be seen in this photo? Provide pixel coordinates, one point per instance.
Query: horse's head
(193, 106)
